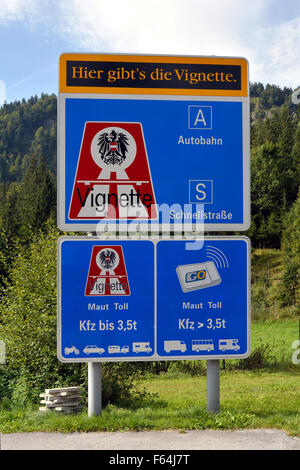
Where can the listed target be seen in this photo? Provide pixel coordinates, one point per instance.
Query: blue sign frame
(105, 327)
(208, 313)
(188, 299)
(198, 152)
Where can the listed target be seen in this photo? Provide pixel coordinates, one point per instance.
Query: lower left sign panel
(106, 297)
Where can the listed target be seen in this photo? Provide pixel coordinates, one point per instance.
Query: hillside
(267, 288)
(28, 169)
(265, 101)
(27, 128)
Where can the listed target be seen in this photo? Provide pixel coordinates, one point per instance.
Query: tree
(287, 131)
(291, 233)
(256, 89)
(273, 189)
(290, 283)
(36, 197)
(28, 313)
(291, 255)
(28, 328)
(44, 146)
(296, 150)
(9, 210)
(27, 128)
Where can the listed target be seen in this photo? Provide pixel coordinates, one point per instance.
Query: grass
(266, 264)
(279, 334)
(262, 398)
(268, 396)
(249, 399)
(266, 287)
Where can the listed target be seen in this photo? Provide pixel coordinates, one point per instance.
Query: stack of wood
(64, 400)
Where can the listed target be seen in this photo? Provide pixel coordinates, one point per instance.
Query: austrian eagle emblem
(113, 147)
(107, 259)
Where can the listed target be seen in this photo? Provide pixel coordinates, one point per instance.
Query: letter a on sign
(107, 272)
(113, 179)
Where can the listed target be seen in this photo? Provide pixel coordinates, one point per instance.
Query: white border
(155, 356)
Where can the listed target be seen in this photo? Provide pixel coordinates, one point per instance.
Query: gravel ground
(256, 439)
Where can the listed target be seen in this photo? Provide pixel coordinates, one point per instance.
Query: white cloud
(160, 26)
(277, 58)
(2, 96)
(227, 27)
(191, 27)
(126, 26)
(18, 10)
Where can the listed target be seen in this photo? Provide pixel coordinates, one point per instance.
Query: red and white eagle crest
(113, 147)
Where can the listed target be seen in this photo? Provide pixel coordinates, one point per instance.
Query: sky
(33, 34)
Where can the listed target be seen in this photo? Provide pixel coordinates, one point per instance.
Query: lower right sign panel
(203, 298)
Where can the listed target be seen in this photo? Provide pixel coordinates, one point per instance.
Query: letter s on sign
(202, 185)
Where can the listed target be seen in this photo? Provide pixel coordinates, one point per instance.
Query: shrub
(28, 327)
(259, 358)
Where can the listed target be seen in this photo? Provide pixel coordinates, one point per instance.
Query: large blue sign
(188, 159)
(203, 300)
(105, 300)
(126, 300)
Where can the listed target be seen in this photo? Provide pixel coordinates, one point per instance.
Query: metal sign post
(213, 386)
(94, 384)
(94, 389)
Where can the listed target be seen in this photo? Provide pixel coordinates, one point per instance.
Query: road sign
(131, 300)
(107, 272)
(106, 299)
(113, 178)
(208, 312)
(160, 139)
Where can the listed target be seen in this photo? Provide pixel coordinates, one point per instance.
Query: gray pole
(94, 382)
(94, 389)
(213, 386)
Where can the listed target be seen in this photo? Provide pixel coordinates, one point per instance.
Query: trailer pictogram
(107, 272)
(113, 179)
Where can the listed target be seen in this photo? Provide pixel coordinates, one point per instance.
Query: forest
(28, 231)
